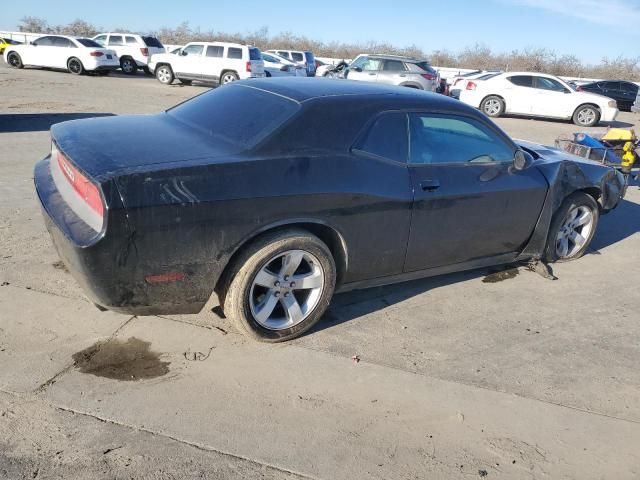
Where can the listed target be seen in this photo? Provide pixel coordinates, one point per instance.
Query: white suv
(133, 50)
(216, 62)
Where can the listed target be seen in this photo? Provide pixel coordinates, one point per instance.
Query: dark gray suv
(394, 70)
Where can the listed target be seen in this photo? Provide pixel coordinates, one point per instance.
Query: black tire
(74, 66)
(185, 82)
(164, 74)
(236, 292)
(14, 60)
(586, 116)
(574, 201)
(146, 71)
(493, 106)
(267, 74)
(228, 77)
(128, 65)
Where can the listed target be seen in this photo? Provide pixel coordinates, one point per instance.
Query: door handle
(372, 73)
(403, 74)
(429, 185)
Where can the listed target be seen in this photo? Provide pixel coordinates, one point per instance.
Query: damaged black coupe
(276, 193)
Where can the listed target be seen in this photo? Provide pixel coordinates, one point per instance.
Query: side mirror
(183, 53)
(521, 160)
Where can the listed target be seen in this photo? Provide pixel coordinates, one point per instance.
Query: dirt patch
(129, 360)
(496, 276)
(59, 265)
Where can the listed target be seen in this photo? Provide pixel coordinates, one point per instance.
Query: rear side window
(152, 42)
(628, 87)
(131, 40)
(235, 53)
(255, 54)
(297, 56)
(229, 114)
(284, 54)
(521, 80)
(387, 137)
(393, 66)
(116, 40)
(88, 43)
(215, 51)
(450, 139)
(426, 67)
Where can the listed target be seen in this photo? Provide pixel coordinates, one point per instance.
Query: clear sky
(590, 29)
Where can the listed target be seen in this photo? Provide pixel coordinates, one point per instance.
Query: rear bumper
(107, 266)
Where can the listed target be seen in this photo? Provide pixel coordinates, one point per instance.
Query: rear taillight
(83, 187)
(248, 66)
(96, 54)
(471, 85)
(428, 76)
(144, 51)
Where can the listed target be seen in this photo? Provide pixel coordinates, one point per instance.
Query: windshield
(229, 114)
(88, 43)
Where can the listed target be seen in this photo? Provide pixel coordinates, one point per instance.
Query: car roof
(393, 57)
(301, 89)
(228, 44)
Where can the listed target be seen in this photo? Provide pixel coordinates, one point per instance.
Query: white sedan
(538, 95)
(278, 66)
(77, 55)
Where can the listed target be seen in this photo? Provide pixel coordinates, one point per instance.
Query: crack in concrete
(199, 446)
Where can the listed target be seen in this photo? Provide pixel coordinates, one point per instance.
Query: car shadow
(614, 124)
(618, 224)
(39, 122)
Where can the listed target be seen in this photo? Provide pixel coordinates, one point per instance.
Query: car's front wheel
(586, 116)
(14, 60)
(493, 106)
(164, 74)
(280, 286)
(572, 228)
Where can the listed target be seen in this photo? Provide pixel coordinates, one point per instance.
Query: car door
(63, 51)
(189, 62)
(517, 91)
(393, 72)
(41, 52)
(551, 98)
(468, 201)
(212, 62)
(364, 69)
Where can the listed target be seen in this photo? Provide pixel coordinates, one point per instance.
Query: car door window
(297, 57)
(116, 40)
(268, 58)
(628, 87)
(387, 137)
(234, 53)
(215, 51)
(284, 54)
(101, 39)
(193, 50)
(438, 139)
(521, 80)
(131, 40)
(393, 66)
(63, 42)
(544, 83)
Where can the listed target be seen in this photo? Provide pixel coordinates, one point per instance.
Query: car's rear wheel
(128, 65)
(74, 65)
(280, 286)
(493, 106)
(164, 74)
(14, 60)
(572, 228)
(228, 77)
(586, 116)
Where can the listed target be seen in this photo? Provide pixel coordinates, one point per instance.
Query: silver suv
(394, 70)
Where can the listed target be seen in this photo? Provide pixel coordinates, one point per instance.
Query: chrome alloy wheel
(228, 78)
(164, 75)
(492, 107)
(574, 232)
(286, 289)
(586, 116)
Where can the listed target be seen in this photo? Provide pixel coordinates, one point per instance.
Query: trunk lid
(106, 147)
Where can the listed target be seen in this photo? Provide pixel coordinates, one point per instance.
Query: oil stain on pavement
(128, 360)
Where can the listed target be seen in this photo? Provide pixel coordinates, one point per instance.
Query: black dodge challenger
(275, 193)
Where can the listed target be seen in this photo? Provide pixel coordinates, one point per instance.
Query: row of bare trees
(477, 57)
